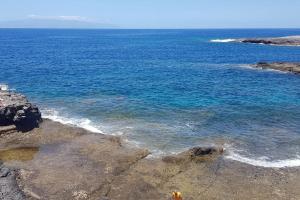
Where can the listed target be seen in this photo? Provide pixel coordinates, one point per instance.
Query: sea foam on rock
(16, 110)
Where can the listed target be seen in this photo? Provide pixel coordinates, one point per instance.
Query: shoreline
(230, 154)
(57, 161)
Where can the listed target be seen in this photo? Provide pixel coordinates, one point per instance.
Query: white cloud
(62, 18)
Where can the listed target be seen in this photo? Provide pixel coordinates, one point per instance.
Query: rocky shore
(55, 161)
(280, 66)
(280, 41)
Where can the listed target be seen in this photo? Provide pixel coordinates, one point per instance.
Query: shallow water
(166, 90)
(18, 154)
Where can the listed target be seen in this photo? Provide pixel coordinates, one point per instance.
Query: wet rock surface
(16, 110)
(281, 41)
(65, 163)
(281, 66)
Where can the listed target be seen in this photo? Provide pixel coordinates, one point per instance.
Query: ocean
(165, 90)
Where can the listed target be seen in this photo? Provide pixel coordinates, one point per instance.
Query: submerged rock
(16, 110)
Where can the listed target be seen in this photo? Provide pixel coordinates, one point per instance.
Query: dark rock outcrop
(281, 66)
(16, 110)
(280, 41)
(195, 154)
(204, 151)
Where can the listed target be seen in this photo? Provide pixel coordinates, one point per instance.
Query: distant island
(55, 23)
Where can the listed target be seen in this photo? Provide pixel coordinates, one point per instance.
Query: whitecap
(222, 40)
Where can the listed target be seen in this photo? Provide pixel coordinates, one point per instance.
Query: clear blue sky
(160, 13)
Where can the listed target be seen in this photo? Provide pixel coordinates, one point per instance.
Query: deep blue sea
(165, 90)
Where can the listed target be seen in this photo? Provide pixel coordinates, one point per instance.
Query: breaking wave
(264, 161)
(84, 123)
(223, 40)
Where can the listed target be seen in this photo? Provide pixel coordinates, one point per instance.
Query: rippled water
(166, 90)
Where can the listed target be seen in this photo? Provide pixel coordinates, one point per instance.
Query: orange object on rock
(176, 196)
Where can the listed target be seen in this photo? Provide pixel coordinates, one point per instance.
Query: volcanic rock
(16, 110)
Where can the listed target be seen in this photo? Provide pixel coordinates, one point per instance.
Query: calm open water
(166, 90)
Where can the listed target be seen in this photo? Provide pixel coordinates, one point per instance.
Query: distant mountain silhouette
(52, 23)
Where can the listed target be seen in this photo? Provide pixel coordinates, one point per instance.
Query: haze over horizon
(146, 14)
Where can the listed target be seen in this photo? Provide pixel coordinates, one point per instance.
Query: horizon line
(120, 28)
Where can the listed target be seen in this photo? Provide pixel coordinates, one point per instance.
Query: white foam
(4, 87)
(82, 122)
(264, 161)
(248, 66)
(223, 40)
(276, 70)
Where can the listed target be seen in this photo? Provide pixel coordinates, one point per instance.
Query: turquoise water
(166, 90)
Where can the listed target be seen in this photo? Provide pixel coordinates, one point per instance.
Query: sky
(151, 13)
